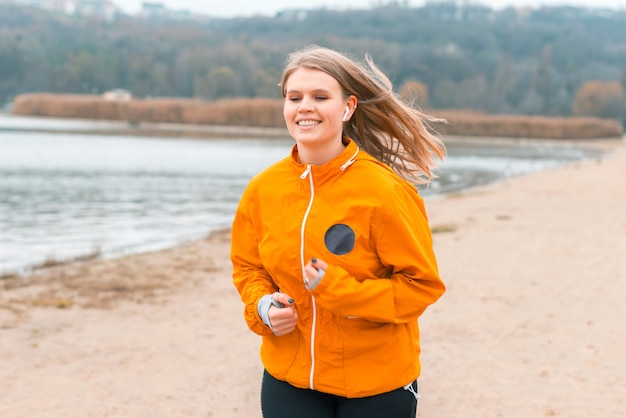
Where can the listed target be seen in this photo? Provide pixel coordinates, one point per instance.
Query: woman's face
(314, 107)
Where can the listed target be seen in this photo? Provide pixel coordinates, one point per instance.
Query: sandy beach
(530, 325)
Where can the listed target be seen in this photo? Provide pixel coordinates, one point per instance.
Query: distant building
(293, 14)
(106, 9)
(34, 3)
(117, 95)
(100, 8)
(65, 6)
(151, 10)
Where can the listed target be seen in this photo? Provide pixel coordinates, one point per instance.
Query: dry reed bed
(263, 112)
(236, 112)
(476, 124)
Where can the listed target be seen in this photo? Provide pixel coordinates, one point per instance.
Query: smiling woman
(339, 284)
(313, 102)
(386, 127)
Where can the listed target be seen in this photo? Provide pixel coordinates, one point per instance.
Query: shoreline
(601, 148)
(144, 129)
(534, 267)
(205, 131)
(494, 151)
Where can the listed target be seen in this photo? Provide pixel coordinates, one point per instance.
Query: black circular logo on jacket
(339, 239)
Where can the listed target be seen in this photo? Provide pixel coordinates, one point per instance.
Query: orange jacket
(357, 332)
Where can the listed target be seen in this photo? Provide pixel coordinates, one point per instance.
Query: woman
(331, 248)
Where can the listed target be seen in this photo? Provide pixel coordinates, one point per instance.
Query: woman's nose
(306, 104)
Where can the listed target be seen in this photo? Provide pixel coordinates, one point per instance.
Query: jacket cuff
(263, 308)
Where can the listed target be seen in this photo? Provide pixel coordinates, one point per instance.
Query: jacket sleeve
(403, 244)
(249, 277)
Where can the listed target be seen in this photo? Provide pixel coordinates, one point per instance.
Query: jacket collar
(332, 168)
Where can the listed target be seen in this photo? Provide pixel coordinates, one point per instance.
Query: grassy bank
(268, 113)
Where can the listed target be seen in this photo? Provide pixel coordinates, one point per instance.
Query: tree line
(554, 61)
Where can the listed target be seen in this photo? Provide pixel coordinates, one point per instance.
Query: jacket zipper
(306, 173)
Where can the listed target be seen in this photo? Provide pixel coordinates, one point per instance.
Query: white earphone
(345, 115)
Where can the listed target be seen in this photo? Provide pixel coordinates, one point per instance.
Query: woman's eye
(294, 99)
(321, 98)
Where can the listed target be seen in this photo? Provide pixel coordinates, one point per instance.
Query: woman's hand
(314, 272)
(282, 314)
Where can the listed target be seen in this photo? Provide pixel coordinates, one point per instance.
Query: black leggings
(281, 400)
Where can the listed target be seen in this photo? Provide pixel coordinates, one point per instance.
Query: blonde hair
(383, 125)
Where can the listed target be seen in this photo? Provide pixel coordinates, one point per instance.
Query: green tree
(501, 95)
(220, 83)
(11, 68)
(544, 79)
(503, 61)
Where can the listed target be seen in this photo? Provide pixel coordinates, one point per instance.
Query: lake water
(66, 195)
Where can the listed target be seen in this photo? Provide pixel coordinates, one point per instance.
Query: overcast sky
(231, 8)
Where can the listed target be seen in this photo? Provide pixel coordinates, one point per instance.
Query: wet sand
(529, 327)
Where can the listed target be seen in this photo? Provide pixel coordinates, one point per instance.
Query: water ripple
(62, 196)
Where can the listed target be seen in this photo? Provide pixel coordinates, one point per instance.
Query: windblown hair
(383, 125)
